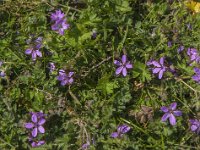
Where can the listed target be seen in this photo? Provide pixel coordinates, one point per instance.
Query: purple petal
(41, 121)
(114, 134)
(173, 106)
(124, 59)
(60, 77)
(129, 65)
(156, 70)
(123, 129)
(160, 74)
(164, 109)
(118, 63)
(193, 127)
(34, 132)
(34, 55)
(61, 31)
(64, 82)
(41, 129)
(156, 64)
(29, 125)
(172, 120)
(34, 118)
(70, 74)
(165, 117)
(55, 27)
(40, 143)
(34, 144)
(119, 70)
(162, 60)
(38, 53)
(124, 71)
(71, 80)
(28, 51)
(197, 70)
(177, 113)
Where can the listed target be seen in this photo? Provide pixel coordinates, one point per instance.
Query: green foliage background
(98, 101)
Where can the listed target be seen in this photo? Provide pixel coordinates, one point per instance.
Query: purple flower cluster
(170, 112)
(65, 78)
(34, 49)
(196, 77)
(122, 129)
(159, 67)
(195, 126)
(60, 22)
(193, 54)
(123, 65)
(36, 127)
(52, 67)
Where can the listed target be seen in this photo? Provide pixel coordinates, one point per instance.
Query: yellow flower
(193, 6)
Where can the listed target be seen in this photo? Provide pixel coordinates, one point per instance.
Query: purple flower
(36, 125)
(122, 129)
(197, 76)
(65, 78)
(58, 15)
(37, 143)
(123, 66)
(60, 23)
(94, 34)
(34, 49)
(189, 26)
(2, 74)
(170, 112)
(193, 54)
(52, 67)
(195, 126)
(86, 145)
(169, 44)
(180, 49)
(159, 67)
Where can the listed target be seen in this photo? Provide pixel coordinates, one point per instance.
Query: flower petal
(118, 70)
(34, 55)
(71, 80)
(156, 64)
(41, 121)
(64, 82)
(193, 127)
(172, 120)
(118, 63)
(41, 129)
(177, 113)
(165, 117)
(34, 132)
(38, 53)
(156, 70)
(160, 74)
(28, 51)
(124, 71)
(164, 109)
(129, 65)
(40, 143)
(114, 134)
(34, 118)
(124, 58)
(123, 129)
(173, 106)
(70, 74)
(162, 60)
(29, 125)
